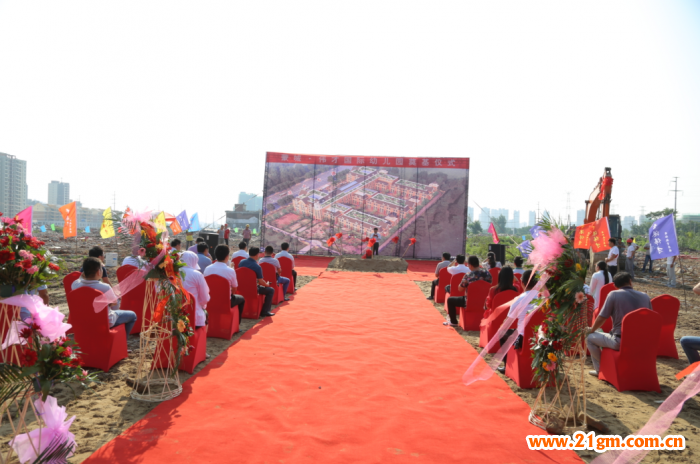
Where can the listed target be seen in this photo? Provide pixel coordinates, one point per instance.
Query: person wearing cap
(631, 252)
(195, 284)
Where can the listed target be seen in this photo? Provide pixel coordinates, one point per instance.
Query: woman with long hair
(599, 279)
(505, 283)
(491, 262)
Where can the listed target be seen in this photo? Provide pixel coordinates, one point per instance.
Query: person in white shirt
(598, 280)
(377, 236)
(134, 260)
(631, 252)
(195, 284)
(518, 261)
(611, 260)
(671, 270)
(491, 261)
(457, 267)
(285, 254)
(518, 344)
(221, 268)
(92, 277)
(442, 264)
(270, 260)
(242, 251)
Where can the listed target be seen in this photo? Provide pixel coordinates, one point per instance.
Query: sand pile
(376, 264)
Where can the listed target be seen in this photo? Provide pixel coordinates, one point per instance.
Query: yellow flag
(160, 222)
(107, 229)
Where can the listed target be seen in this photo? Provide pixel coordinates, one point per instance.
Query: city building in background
(628, 222)
(45, 215)
(580, 217)
(59, 193)
(252, 201)
(690, 218)
(484, 217)
(531, 218)
(470, 213)
(13, 184)
(240, 216)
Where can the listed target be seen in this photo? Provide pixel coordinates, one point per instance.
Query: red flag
(70, 221)
(492, 230)
(25, 218)
(600, 235)
(582, 239)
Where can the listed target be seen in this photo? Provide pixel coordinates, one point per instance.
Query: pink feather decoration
(547, 247)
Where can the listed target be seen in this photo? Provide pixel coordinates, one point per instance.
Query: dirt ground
(626, 412)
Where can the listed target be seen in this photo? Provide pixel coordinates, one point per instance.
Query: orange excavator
(598, 204)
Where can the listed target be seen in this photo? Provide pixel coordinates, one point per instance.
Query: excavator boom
(601, 195)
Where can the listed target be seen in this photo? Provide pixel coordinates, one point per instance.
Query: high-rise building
(628, 222)
(516, 219)
(484, 217)
(470, 213)
(580, 217)
(642, 219)
(59, 193)
(532, 217)
(13, 184)
(252, 201)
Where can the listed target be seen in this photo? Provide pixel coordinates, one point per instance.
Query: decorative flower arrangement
(24, 263)
(554, 254)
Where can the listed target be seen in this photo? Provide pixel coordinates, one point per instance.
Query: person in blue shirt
(203, 259)
(263, 287)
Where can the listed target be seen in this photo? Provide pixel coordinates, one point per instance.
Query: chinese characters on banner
(525, 248)
(582, 239)
(183, 221)
(663, 239)
(593, 235)
(70, 224)
(443, 163)
(173, 223)
(492, 231)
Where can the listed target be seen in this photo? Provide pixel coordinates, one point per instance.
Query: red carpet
(357, 369)
(421, 270)
(311, 265)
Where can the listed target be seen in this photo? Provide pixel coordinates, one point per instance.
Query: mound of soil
(376, 264)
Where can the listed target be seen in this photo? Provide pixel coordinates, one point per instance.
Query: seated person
(97, 252)
(518, 344)
(457, 267)
(618, 304)
(176, 244)
(221, 268)
(92, 277)
(134, 260)
(444, 263)
(285, 254)
(202, 256)
(691, 345)
(505, 283)
(193, 248)
(263, 287)
(491, 262)
(518, 261)
(278, 269)
(242, 251)
(195, 284)
(599, 279)
(475, 273)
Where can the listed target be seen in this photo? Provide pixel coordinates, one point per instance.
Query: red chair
(286, 265)
(69, 279)
(237, 260)
(517, 276)
(198, 345)
(489, 326)
(634, 366)
(248, 289)
(270, 275)
(443, 281)
(455, 289)
(133, 299)
(494, 271)
(604, 292)
(667, 306)
(223, 319)
(519, 362)
(101, 346)
(470, 316)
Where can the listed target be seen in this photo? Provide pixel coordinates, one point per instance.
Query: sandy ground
(627, 412)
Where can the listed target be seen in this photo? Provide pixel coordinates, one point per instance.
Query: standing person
(671, 270)
(227, 232)
(263, 287)
(647, 257)
(598, 280)
(454, 302)
(221, 268)
(377, 236)
(444, 263)
(247, 234)
(617, 305)
(631, 253)
(195, 284)
(278, 269)
(285, 254)
(611, 260)
(189, 237)
(222, 232)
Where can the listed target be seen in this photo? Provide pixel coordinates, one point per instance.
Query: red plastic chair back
(237, 260)
(518, 277)
(604, 292)
(69, 279)
(133, 299)
(198, 344)
(286, 265)
(223, 319)
(489, 326)
(519, 362)
(494, 271)
(443, 281)
(667, 306)
(248, 289)
(470, 316)
(634, 366)
(270, 275)
(101, 346)
(455, 289)
(503, 297)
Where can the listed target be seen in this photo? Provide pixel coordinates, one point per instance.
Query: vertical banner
(107, 228)
(70, 222)
(494, 234)
(160, 222)
(183, 221)
(25, 218)
(600, 235)
(663, 238)
(309, 198)
(582, 238)
(194, 223)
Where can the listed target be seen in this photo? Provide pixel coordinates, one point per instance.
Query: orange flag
(172, 222)
(600, 235)
(70, 220)
(582, 239)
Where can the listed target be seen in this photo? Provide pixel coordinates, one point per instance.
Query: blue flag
(525, 248)
(183, 221)
(194, 223)
(663, 238)
(87, 229)
(524, 237)
(43, 228)
(535, 231)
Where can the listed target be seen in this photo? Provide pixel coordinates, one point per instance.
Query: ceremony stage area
(357, 368)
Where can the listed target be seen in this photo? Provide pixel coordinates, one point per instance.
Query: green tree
(654, 215)
(475, 227)
(500, 223)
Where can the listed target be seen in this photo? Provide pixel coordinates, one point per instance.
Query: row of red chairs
(286, 271)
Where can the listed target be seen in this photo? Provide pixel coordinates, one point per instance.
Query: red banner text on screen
(371, 161)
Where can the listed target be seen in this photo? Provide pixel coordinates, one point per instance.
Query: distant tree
(500, 223)
(659, 214)
(475, 227)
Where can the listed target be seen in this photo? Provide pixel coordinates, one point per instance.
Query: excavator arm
(601, 195)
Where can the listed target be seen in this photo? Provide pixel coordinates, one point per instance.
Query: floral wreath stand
(157, 378)
(565, 411)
